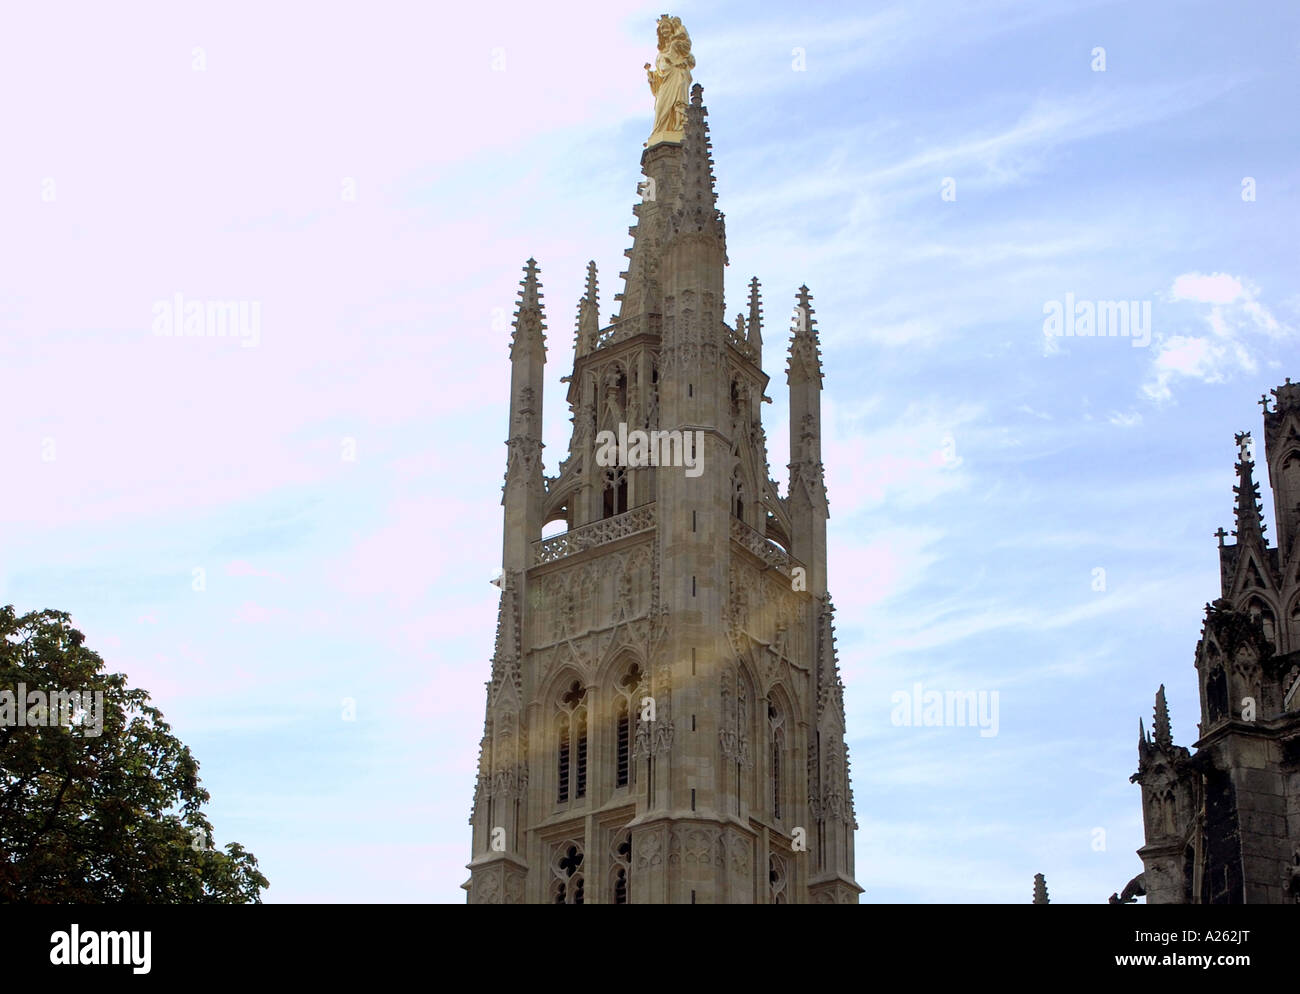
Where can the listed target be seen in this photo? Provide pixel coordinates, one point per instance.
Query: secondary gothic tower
(665, 718)
(1223, 823)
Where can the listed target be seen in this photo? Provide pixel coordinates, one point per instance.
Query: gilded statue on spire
(670, 80)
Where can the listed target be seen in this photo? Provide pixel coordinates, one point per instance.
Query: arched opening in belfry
(615, 492)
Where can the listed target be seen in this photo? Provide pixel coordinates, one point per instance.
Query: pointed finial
(756, 316)
(803, 318)
(530, 295)
(1245, 446)
(1249, 511)
(695, 208)
(588, 331)
(805, 356)
(530, 317)
(1160, 729)
(1142, 734)
(1040, 889)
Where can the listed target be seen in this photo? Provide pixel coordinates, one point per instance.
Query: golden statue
(670, 81)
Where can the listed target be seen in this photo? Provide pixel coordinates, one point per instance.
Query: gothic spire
(755, 326)
(1160, 729)
(588, 329)
(697, 201)
(1249, 510)
(530, 318)
(805, 351)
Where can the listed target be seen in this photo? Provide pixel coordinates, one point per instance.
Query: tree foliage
(113, 817)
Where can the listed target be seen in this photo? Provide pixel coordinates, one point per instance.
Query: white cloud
(1236, 319)
(1219, 288)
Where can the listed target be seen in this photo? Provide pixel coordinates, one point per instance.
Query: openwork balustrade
(771, 554)
(639, 519)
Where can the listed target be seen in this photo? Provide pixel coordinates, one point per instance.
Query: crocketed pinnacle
(805, 351)
(530, 317)
(696, 209)
(754, 328)
(1160, 729)
(1249, 510)
(588, 329)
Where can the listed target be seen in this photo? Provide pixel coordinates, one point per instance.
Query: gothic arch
(1293, 623)
(739, 735)
(1216, 692)
(780, 766)
(776, 531)
(1287, 478)
(1261, 609)
(613, 384)
(559, 681)
(777, 879)
(559, 504)
(615, 660)
(1253, 577)
(625, 687)
(620, 869)
(568, 874)
(570, 722)
(747, 474)
(615, 493)
(740, 495)
(1245, 679)
(779, 695)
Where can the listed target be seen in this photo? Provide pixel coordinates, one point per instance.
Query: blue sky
(979, 471)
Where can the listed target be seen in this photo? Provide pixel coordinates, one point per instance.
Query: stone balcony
(643, 519)
(766, 550)
(639, 519)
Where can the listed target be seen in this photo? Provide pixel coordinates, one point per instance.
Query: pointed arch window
(621, 870)
(776, 879)
(776, 726)
(615, 492)
(622, 736)
(628, 687)
(567, 884)
(571, 744)
(580, 784)
(563, 793)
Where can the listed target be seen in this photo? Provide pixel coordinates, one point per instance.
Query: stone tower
(1223, 823)
(665, 722)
